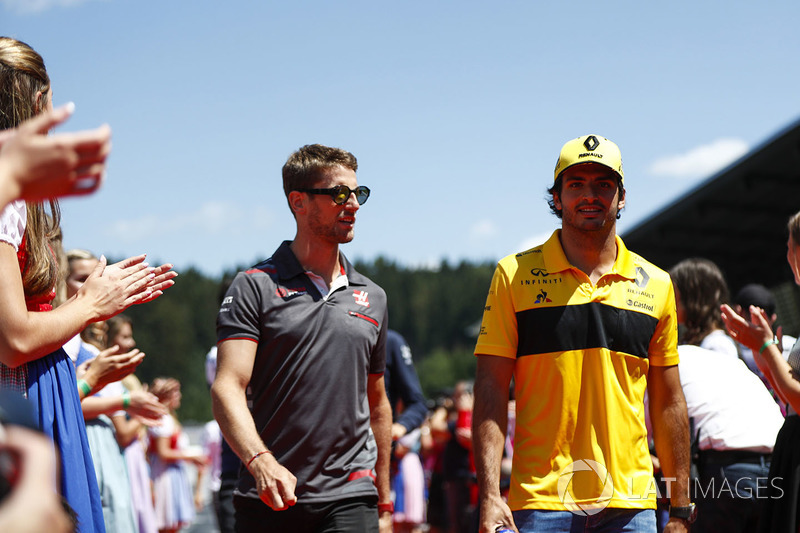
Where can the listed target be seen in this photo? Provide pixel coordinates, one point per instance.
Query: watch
(688, 512)
(385, 508)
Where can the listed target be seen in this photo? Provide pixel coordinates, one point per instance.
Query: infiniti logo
(540, 272)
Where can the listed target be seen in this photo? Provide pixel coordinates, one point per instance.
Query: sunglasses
(341, 193)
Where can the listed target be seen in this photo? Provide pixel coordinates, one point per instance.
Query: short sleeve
(663, 350)
(239, 314)
(498, 334)
(165, 429)
(12, 223)
(377, 362)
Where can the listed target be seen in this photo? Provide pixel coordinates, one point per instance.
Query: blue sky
(455, 110)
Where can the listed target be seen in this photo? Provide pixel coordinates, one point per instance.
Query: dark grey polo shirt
(308, 390)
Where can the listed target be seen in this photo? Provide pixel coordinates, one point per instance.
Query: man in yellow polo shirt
(586, 328)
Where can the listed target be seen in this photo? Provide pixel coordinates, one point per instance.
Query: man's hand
(676, 525)
(495, 513)
(275, 484)
(385, 523)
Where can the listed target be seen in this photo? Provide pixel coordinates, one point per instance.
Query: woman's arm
(167, 453)
(27, 336)
(108, 367)
(126, 429)
(757, 335)
(138, 403)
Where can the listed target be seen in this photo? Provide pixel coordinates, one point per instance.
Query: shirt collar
(289, 267)
(556, 261)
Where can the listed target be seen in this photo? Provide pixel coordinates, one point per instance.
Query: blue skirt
(53, 391)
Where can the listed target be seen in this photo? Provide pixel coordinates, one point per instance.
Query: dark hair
(556, 188)
(758, 295)
(303, 167)
(703, 290)
(794, 228)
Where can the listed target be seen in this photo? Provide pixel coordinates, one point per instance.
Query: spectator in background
(408, 485)
(734, 418)
(131, 429)
(402, 386)
(757, 295)
(434, 436)
(169, 450)
(459, 467)
(703, 290)
(211, 442)
(108, 428)
(408, 413)
(98, 366)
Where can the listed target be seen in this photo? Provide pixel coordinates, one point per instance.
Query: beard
(327, 230)
(607, 222)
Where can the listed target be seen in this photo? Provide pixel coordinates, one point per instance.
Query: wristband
(84, 387)
(386, 508)
(126, 399)
(257, 455)
(766, 345)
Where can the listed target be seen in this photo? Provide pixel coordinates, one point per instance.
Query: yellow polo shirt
(582, 355)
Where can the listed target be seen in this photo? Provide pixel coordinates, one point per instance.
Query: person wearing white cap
(586, 328)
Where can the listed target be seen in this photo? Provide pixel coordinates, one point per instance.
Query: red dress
(16, 379)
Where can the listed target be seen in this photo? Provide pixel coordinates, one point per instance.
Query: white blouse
(13, 220)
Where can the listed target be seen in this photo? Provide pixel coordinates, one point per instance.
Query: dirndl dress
(141, 495)
(172, 490)
(50, 385)
(52, 389)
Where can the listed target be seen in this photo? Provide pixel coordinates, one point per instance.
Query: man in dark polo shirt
(302, 339)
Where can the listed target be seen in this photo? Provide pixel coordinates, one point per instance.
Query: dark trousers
(730, 496)
(354, 515)
(225, 511)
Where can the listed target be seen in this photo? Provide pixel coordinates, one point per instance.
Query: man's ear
(557, 200)
(297, 201)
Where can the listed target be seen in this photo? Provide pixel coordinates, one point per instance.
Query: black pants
(355, 515)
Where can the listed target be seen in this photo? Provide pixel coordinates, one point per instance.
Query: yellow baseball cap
(590, 149)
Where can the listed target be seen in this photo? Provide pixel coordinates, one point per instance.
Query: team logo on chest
(361, 298)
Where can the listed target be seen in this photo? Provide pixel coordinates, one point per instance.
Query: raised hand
(111, 289)
(109, 366)
(35, 166)
(146, 407)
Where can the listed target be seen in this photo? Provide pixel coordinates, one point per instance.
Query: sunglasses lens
(341, 194)
(362, 193)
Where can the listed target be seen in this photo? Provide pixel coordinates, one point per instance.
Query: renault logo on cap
(591, 142)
